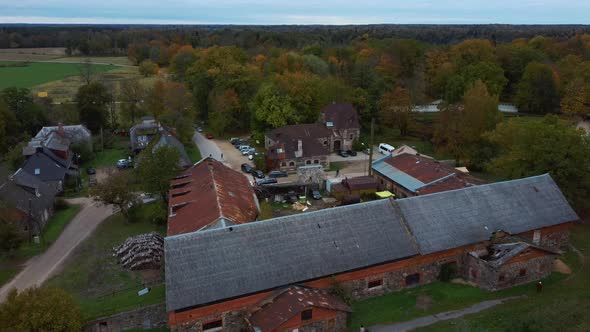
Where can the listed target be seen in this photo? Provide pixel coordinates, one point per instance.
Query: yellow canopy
(384, 194)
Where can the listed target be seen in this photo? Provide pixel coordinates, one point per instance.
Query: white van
(385, 149)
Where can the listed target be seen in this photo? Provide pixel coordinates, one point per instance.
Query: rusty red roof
(423, 169)
(456, 182)
(360, 183)
(209, 193)
(282, 305)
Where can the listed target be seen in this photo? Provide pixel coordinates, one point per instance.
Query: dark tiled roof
(343, 116)
(310, 135)
(207, 193)
(289, 302)
(312, 130)
(167, 139)
(47, 168)
(22, 187)
(360, 183)
(455, 218)
(208, 266)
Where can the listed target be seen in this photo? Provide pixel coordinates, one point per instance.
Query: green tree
(148, 68)
(528, 148)
(537, 91)
(132, 98)
(40, 309)
(115, 190)
(15, 157)
(92, 100)
(182, 61)
(272, 109)
(395, 108)
(488, 72)
(10, 236)
(157, 168)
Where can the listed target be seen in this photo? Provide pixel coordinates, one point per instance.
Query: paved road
(206, 146)
(40, 268)
(433, 319)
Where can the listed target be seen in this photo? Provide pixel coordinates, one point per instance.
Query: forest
(253, 79)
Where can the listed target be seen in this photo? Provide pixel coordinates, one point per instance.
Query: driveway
(206, 146)
(38, 269)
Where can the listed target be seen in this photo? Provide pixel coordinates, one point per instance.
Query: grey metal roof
(455, 218)
(208, 266)
(396, 175)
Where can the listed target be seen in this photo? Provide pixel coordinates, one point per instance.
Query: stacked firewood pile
(141, 252)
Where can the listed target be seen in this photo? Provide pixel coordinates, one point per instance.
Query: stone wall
(233, 321)
(557, 240)
(508, 275)
(147, 317)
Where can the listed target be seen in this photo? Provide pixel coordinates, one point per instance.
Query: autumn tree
(115, 190)
(132, 100)
(395, 108)
(92, 100)
(156, 169)
(537, 91)
(40, 309)
(182, 61)
(10, 235)
(148, 68)
(528, 148)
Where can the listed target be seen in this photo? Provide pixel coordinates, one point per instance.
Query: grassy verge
(336, 165)
(193, 152)
(11, 266)
(93, 276)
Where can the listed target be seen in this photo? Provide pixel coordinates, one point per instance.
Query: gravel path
(40, 268)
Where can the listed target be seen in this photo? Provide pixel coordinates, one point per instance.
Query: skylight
(329, 124)
(37, 171)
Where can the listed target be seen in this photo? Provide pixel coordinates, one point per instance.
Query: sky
(296, 11)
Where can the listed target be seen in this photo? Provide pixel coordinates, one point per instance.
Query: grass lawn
(562, 295)
(38, 73)
(93, 276)
(193, 152)
(10, 266)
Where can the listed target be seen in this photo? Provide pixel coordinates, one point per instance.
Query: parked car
(92, 181)
(277, 174)
(291, 197)
(315, 194)
(251, 157)
(266, 181)
(209, 136)
(244, 147)
(234, 140)
(199, 129)
(125, 163)
(248, 152)
(258, 173)
(367, 151)
(91, 171)
(343, 154)
(247, 168)
(351, 152)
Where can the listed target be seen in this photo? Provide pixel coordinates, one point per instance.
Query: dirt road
(40, 268)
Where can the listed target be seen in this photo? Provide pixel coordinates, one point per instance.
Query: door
(337, 146)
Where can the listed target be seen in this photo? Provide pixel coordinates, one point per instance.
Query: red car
(209, 136)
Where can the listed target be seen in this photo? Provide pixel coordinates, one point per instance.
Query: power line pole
(371, 146)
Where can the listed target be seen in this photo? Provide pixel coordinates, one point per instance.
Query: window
(331, 325)
(522, 272)
(413, 279)
(291, 163)
(214, 325)
(351, 136)
(283, 164)
(308, 162)
(37, 171)
(306, 314)
(502, 277)
(279, 150)
(375, 283)
(325, 142)
(316, 161)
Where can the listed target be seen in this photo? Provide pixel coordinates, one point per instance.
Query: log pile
(141, 252)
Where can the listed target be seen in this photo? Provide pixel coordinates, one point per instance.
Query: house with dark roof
(50, 168)
(293, 146)
(209, 195)
(150, 133)
(30, 201)
(409, 174)
(360, 185)
(369, 249)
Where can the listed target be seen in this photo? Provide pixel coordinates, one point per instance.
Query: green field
(37, 73)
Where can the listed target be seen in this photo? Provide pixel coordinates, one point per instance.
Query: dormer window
(37, 171)
(329, 124)
(279, 150)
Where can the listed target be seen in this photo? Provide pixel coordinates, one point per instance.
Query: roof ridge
(210, 169)
(404, 224)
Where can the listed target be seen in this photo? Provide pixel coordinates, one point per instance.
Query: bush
(60, 204)
(148, 68)
(337, 289)
(85, 152)
(153, 212)
(10, 237)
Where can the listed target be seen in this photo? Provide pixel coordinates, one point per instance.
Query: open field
(93, 276)
(115, 60)
(31, 54)
(33, 74)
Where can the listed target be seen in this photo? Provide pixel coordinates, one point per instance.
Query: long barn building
(274, 275)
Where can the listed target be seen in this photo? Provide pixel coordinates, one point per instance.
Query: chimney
(299, 152)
